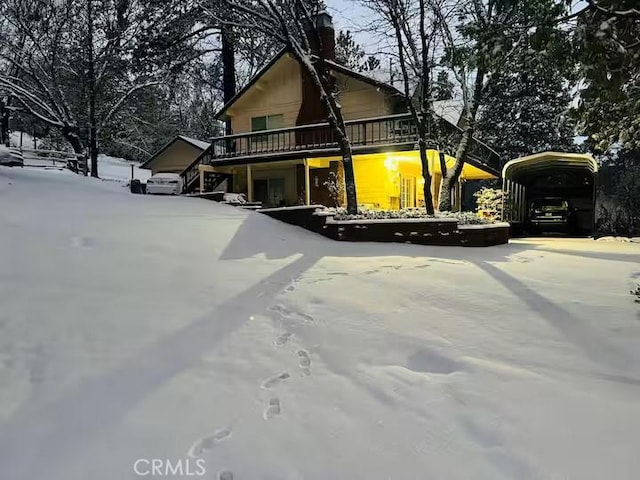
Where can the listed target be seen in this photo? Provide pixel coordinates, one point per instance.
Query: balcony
(371, 135)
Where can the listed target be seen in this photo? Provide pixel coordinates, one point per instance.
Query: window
(268, 122)
(407, 192)
(260, 143)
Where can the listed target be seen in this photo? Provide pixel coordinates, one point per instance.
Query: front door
(276, 192)
(269, 191)
(320, 194)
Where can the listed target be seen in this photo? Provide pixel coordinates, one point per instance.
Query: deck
(372, 135)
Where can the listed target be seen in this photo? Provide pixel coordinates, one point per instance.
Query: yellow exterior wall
(375, 187)
(175, 158)
(277, 92)
(361, 100)
(378, 176)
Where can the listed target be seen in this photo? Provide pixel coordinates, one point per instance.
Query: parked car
(165, 184)
(549, 214)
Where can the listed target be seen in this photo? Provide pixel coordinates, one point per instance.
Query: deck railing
(392, 130)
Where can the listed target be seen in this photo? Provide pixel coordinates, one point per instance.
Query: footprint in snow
(422, 266)
(279, 309)
(273, 409)
(304, 361)
(270, 382)
(286, 313)
(209, 442)
(282, 339)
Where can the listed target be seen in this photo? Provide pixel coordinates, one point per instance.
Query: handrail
(397, 116)
(381, 131)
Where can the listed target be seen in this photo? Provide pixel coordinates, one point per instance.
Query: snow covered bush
(464, 218)
(489, 203)
(335, 186)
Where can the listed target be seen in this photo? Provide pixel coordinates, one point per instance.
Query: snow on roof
(195, 142)
(166, 175)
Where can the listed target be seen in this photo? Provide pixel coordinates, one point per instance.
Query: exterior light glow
(391, 164)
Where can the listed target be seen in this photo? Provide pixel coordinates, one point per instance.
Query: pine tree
(352, 55)
(608, 36)
(443, 87)
(526, 108)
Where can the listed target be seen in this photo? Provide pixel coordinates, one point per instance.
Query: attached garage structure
(568, 176)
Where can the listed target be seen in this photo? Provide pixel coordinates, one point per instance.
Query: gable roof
(195, 142)
(334, 66)
(363, 78)
(199, 144)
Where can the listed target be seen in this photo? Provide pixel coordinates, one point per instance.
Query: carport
(570, 176)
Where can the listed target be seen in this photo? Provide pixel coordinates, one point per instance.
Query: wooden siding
(175, 158)
(362, 100)
(277, 92)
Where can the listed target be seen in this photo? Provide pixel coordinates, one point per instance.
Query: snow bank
(138, 327)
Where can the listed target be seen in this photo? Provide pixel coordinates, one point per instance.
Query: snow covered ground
(109, 168)
(137, 328)
(119, 169)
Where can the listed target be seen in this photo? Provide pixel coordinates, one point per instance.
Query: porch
(383, 180)
(381, 135)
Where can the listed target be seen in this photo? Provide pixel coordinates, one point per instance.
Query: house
(176, 155)
(281, 150)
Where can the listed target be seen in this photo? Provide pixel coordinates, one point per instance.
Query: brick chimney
(322, 39)
(312, 110)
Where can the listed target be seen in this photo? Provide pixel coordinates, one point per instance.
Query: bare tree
(293, 24)
(414, 41)
(74, 64)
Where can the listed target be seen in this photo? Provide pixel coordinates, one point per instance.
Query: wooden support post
(307, 183)
(435, 190)
(458, 195)
(201, 181)
(249, 184)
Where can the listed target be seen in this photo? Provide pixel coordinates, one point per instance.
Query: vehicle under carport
(551, 175)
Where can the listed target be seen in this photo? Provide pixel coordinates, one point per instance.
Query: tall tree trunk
(317, 72)
(349, 177)
(228, 70)
(449, 180)
(424, 160)
(93, 140)
(420, 119)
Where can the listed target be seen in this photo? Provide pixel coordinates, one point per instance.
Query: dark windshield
(549, 202)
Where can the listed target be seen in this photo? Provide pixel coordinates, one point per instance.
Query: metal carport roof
(548, 160)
